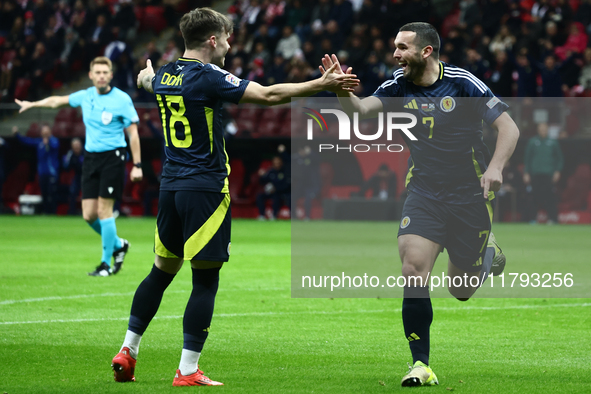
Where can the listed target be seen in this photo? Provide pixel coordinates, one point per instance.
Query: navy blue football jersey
(449, 156)
(190, 95)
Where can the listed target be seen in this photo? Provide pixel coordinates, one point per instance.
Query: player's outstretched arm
(283, 92)
(506, 142)
(136, 173)
(144, 78)
(49, 102)
(368, 107)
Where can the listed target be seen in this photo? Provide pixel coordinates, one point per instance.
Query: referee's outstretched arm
(49, 102)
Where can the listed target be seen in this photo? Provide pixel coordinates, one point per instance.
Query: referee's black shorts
(463, 229)
(103, 174)
(193, 225)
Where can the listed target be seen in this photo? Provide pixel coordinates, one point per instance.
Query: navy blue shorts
(462, 229)
(193, 225)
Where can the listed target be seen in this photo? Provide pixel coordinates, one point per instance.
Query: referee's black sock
(199, 310)
(417, 315)
(147, 299)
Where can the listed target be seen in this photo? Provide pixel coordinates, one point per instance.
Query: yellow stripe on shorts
(202, 236)
(160, 249)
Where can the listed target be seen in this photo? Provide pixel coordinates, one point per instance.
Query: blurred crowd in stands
(45, 44)
(519, 48)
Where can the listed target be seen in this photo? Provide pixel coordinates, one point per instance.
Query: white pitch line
(304, 313)
(73, 297)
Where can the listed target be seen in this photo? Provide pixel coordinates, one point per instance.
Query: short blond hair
(101, 60)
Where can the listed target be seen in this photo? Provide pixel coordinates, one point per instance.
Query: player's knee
(413, 271)
(460, 294)
(90, 217)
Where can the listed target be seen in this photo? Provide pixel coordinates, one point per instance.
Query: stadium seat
(578, 187)
(233, 110)
(153, 19)
(34, 130)
(7, 58)
(79, 130)
(67, 115)
(21, 91)
(15, 183)
(61, 129)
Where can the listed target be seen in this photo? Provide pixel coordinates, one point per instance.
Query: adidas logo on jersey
(412, 105)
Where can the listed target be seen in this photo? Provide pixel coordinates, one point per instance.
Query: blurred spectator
(275, 16)
(276, 72)
(252, 17)
(503, 41)
(150, 53)
(373, 74)
(469, 14)
(73, 161)
(41, 62)
(277, 188)
(262, 35)
(585, 77)
(357, 52)
(47, 164)
(551, 79)
(475, 64)
(540, 11)
(526, 77)
(334, 33)
(321, 11)
(511, 196)
(305, 178)
(543, 164)
(100, 35)
(526, 41)
(551, 39)
(342, 13)
(309, 51)
(126, 21)
(379, 48)
(383, 184)
(171, 53)
(417, 10)
(297, 15)
(288, 44)
(260, 52)
(576, 42)
(236, 67)
(583, 14)
(500, 80)
(256, 73)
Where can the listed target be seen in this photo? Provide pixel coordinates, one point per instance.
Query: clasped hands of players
(492, 178)
(333, 79)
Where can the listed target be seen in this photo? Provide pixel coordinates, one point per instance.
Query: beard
(415, 67)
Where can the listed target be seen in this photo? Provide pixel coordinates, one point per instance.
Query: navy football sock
(199, 310)
(147, 299)
(417, 316)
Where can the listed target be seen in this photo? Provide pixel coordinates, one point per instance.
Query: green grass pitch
(59, 328)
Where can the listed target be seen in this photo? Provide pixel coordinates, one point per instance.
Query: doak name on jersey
(172, 80)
